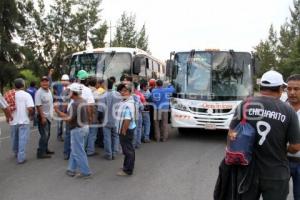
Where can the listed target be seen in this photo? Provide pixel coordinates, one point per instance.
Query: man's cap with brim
(272, 79)
(44, 78)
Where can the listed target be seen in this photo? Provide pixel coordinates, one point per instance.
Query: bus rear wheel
(182, 131)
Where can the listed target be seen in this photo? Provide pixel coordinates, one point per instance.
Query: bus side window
(149, 69)
(143, 68)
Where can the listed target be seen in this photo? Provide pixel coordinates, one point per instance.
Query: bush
(28, 75)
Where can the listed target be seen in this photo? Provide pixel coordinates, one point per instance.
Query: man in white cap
(77, 119)
(276, 124)
(60, 93)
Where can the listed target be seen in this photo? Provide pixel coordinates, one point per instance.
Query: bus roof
(209, 50)
(132, 51)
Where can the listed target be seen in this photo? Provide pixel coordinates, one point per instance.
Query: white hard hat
(75, 87)
(65, 77)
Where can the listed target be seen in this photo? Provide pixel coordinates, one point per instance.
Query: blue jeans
(137, 140)
(59, 128)
(67, 142)
(295, 173)
(91, 138)
(19, 138)
(111, 141)
(78, 158)
(44, 131)
(146, 125)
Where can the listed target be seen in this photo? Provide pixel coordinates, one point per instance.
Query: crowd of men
(88, 112)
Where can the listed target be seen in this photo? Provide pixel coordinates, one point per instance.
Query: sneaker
(83, 176)
(66, 157)
(44, 156)
(60, 138)
(50, 152)
(70, 173)
(22, 162)
(92, 154)
(122, 173)
(108, 157)
(147, 141)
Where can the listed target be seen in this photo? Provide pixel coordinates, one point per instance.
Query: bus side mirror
(169, 67)
(137, 64)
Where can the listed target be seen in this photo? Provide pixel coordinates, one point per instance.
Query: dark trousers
(128, 151)
(44, 131)
(99, 139)
(268, 189)
(295, 173)
(67, 141)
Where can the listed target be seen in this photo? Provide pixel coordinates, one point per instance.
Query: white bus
(117, 62)
(209, 85)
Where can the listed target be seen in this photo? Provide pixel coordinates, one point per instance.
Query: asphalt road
(184, 168)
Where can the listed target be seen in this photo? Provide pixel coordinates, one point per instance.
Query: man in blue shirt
(32, 90)
(125, 123)
(160, 96)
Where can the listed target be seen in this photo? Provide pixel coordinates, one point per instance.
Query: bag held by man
(240, 149)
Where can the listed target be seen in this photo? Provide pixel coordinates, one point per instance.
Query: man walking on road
(77, 120)
(20, 124)
(293, 91)
(276, 125)
(88, 96)
(44, 106)
(110, 136)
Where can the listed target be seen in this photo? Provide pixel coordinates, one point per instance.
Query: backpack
(239, 151)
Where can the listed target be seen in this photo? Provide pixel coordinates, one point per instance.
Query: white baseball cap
(272, 79)
(76, 87)
(65, 77)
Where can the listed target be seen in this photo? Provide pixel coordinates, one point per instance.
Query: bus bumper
(185, 119)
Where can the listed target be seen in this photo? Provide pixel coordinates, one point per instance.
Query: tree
(98, 35)
(142, 39)
(126, 35)
(33, 36)
(10, 54)
(86, 24)
(266, 56)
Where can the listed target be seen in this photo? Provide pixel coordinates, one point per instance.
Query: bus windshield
(210, 75)
(102, 65)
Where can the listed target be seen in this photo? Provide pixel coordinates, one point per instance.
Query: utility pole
(109, 33)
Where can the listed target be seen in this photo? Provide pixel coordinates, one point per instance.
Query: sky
(174, 25)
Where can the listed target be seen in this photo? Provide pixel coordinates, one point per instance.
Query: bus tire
(182, 131)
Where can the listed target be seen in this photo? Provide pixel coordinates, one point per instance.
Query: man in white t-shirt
(293, 91)
(20, 124)
(88, 96)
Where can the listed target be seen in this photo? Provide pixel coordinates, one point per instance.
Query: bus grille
(204, 110)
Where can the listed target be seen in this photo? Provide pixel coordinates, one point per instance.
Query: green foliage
(28, 76)
(142, 39)
(127, 35)
(86, 24)
(98, 35)
(282, 52)
(10, 54)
